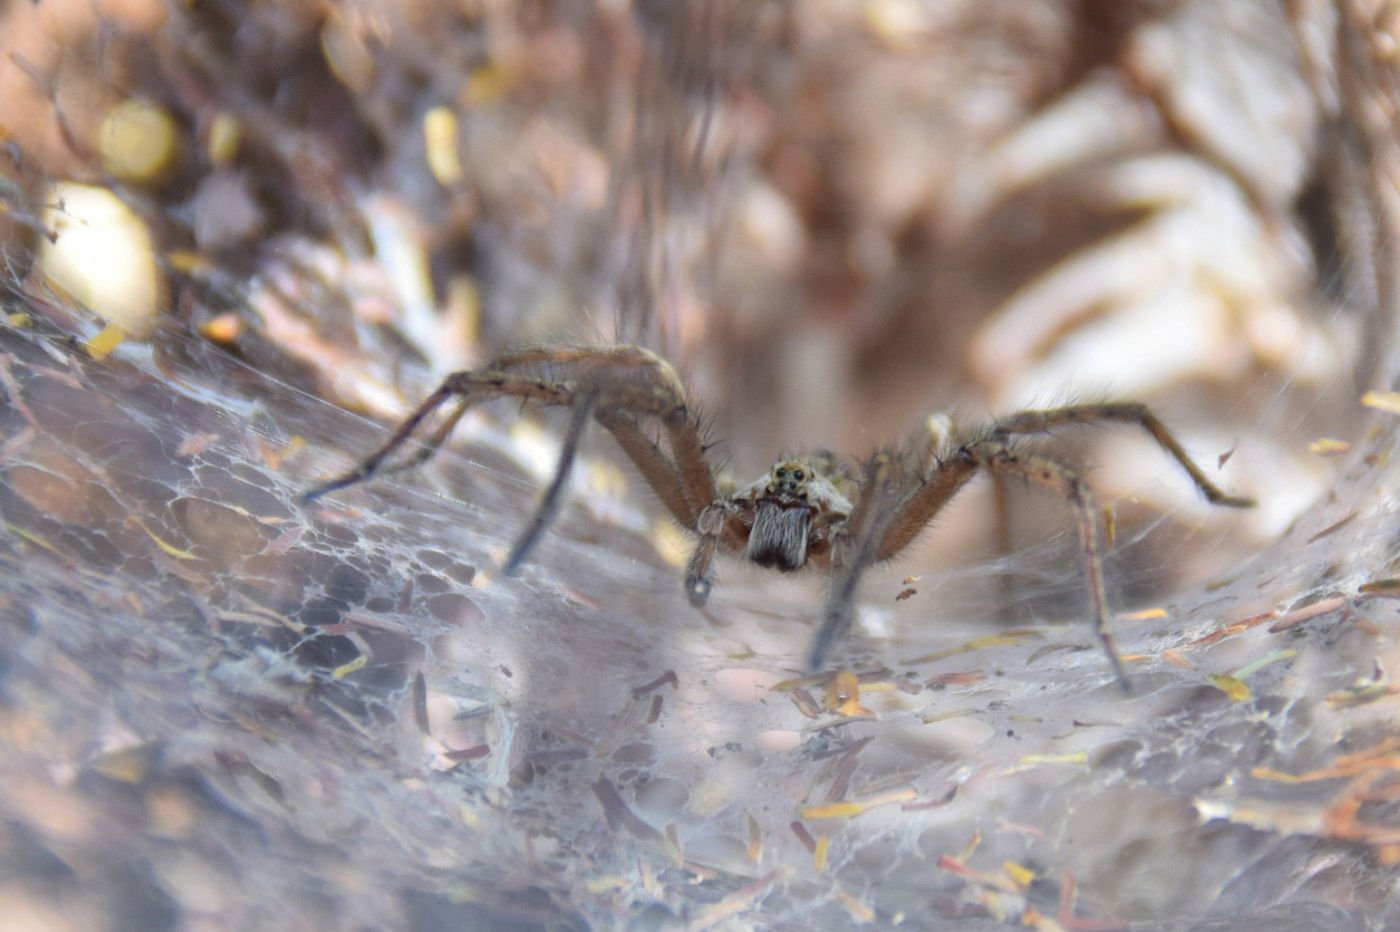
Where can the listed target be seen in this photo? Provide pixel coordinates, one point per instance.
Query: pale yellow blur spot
(138, 141)
(101, 257)
(440, 133)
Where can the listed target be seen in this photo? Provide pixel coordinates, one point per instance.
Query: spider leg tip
(1224, 500)
(697, 591)
(315, 492)
(332, 485)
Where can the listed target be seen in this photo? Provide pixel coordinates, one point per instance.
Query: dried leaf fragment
(1328, 446)
(104, 341)
(843, 696)
(440, 134)
(1015, 636)
(820, 852)
(1389, 402)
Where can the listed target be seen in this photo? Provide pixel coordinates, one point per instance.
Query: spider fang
(778, 538)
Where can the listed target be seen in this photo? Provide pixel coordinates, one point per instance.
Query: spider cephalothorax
(806, 511)
(788, 515)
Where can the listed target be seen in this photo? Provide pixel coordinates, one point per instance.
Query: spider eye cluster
(789, 480)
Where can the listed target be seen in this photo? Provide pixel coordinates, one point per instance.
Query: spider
(806, 511)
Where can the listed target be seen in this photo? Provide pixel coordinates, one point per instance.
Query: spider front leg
(699, 572)
(856, 546)
(548, 508)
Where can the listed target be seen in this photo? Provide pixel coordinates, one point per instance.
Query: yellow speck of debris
(843, 695)
(486, 84)
(832, 811)
(225, 136)
(168, 548)
(1020, 875)
(462, 308)
(345, 669)
(188, 261)
(222, 328)
(606, 883)
(104, 341)
(1014, 636)
(1389, 402)
(1146, 614)
(1327, 446)
(440, 134)
(1237, 689)
(127, 765)
(820, 852)
(859, 911)
(1070, 757)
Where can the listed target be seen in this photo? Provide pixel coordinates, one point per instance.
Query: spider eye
(799, 475)
(780, 472)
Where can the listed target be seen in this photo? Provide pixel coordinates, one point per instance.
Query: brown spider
(809, 511)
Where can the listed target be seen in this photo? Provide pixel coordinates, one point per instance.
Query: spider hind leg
(1123, 412)
(999, 458)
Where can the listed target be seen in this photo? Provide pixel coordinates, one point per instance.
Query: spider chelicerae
(806, 511)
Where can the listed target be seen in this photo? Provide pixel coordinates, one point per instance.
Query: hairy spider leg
(852, 552)
(374, 464)
(613, 384)
(469, 388)
(654, 465)
(920, 507)
(1127, 412)
(998, 457)
(684, 480)
(1001, 518)
(633, 382)
(869, 540)
(699, 572)
(548, 508)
